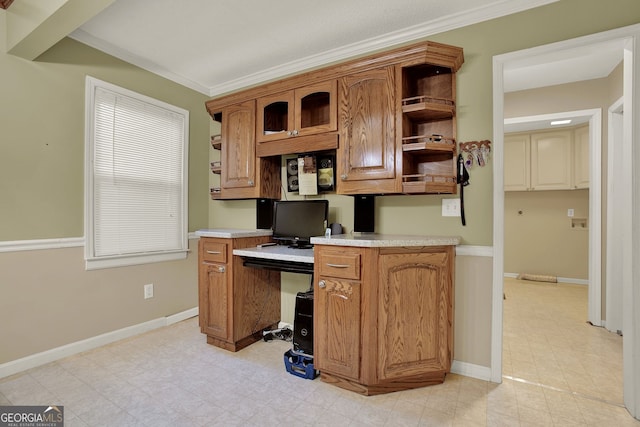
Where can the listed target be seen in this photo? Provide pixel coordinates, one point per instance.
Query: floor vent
(537, 277)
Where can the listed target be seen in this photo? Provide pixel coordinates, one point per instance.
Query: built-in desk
(383, 304)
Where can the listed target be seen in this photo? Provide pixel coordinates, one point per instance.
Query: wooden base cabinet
(235, 302)
(383, 316)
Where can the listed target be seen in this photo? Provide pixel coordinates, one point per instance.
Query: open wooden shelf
(423, 108)
(428, 183)
(216, 193)
(428, 143)
(216, 142)
(216, 167)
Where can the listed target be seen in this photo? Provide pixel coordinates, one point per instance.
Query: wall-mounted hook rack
(468, 147)
(476, 151)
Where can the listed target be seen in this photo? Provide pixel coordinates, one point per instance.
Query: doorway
(625, 40)
(594, 119)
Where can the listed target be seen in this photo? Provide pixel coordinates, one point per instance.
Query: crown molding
(96, 43)
(386, 41)
(390, 40)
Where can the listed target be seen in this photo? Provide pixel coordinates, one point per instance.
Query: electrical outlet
(450, 207)
(148, 291)
(570, 213)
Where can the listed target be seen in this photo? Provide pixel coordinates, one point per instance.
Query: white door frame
(595, 200)
(628, 37)
(615, 219)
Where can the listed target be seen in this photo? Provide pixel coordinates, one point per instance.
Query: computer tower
(303, 323)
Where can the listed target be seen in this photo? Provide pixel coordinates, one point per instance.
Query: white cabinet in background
(517, 170)
(549, 160)
(581, 157)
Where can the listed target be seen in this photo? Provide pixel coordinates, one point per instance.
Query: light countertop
(373, 240)
(367, 240)
(231, 233)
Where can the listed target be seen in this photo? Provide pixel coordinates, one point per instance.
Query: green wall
(42, 138)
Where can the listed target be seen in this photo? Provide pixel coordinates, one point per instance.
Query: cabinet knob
(250, 182)
(221, 269)
(294, 132)
(322, 284)
(343, 176)
(289, 133)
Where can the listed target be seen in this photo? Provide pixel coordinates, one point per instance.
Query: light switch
(570, 213)
(450, 207)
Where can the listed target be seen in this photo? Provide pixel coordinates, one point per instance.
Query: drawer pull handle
(338, 265)
(220, 269)
(214, 252)
(322, 284)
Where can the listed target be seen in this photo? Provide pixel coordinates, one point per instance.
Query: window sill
(129, 260)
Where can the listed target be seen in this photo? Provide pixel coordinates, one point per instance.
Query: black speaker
(264, 213)
(303, 323)
(364, 209)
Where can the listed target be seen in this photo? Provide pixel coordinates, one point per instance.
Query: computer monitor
(296, 221)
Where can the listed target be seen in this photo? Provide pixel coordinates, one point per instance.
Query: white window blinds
(137, 188)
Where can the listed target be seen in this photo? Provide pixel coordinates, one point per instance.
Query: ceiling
(216, 47)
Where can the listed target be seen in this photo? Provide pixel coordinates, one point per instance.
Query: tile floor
(171, 377)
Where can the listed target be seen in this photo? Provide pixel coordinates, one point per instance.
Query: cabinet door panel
(216, 316)
(316, 108)
(275, 117)
(238, 154)
(414, 314)
(551, 161)
(367, 123)
(581, 157)
(337, 327)
(516, 163)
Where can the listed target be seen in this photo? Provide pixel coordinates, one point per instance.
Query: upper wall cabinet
(389, 116)
(367, 153)
(242, 174)
(581, 157)
(298, 113)
(549, 160)
(517, 162)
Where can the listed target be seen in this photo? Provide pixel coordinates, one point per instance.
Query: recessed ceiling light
(560, 122)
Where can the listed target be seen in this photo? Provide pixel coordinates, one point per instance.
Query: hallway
(548, 341)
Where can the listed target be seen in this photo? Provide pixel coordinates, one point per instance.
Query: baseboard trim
(471, 370)
(573, 281)
(38, 359)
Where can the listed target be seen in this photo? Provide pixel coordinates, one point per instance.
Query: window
(135, 178)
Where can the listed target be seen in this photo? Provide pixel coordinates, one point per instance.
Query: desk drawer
(214, 251)
(343, 264)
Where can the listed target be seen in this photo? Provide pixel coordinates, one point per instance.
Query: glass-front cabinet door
(306, 111)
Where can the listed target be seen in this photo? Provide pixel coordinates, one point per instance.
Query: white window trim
(92, 262)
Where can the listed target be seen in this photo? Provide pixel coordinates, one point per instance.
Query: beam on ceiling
(33, 26)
